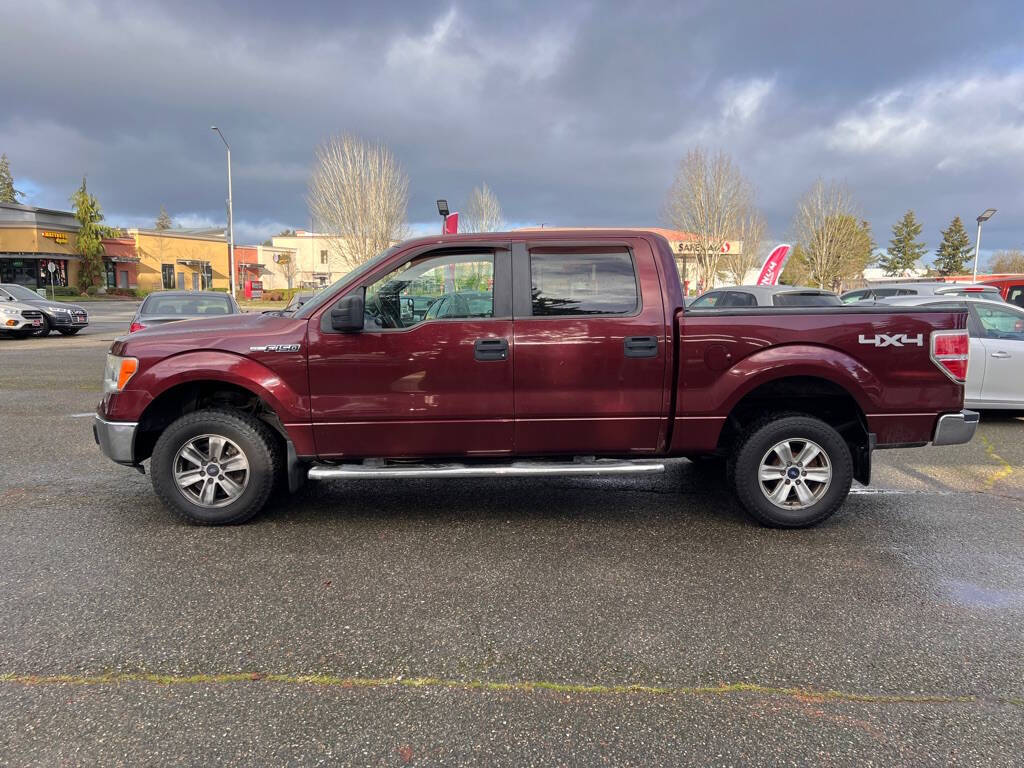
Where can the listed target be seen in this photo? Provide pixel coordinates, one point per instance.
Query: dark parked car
(171, 306)
(66, 319)
(739, 296)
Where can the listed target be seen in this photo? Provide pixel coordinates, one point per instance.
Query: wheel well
(816, 397)
(193, 396)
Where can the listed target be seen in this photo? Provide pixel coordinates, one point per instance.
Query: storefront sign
(57, 237)
(692, 246)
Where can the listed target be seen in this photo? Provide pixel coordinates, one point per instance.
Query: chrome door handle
(1000, 354)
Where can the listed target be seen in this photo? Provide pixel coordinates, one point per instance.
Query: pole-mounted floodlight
(988, 214)
(442, 210)
(231, 217)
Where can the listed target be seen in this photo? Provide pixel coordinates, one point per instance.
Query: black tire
(253, 437)
(754, 446)
(44, 329)
(68, 331)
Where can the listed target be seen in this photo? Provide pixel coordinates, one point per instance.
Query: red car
(559, 353)
(1011, 287)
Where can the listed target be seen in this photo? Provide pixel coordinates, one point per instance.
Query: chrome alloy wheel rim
(795, 474)
(211, 471)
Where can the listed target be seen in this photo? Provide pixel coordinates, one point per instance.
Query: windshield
(20, 292)
(199, 304)
(306, 309)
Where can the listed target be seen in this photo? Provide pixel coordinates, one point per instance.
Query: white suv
(19, 320)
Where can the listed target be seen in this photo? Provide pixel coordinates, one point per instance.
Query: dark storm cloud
(574, 113)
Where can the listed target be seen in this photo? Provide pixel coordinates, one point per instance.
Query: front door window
(433, 288)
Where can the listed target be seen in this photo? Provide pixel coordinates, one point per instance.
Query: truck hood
(229, 333)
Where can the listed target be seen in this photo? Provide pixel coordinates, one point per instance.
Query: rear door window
(999, 323)
(583, 283)
(739, 299)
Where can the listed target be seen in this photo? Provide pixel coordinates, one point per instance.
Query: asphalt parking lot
(623, 621)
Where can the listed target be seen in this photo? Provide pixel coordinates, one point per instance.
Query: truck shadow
(684, 491)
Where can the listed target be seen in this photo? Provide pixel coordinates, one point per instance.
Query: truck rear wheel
(215, 467)
(791, 471)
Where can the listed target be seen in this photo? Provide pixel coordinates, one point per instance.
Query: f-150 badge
(276, 348)
(894, 340)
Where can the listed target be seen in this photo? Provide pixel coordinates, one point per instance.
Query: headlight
(57, 309)
(10, 311)
(118, 371)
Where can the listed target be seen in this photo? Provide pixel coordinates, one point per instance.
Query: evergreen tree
(954, 250)
(89, 240)
(8, 194)
(164, 221)
(905, 250)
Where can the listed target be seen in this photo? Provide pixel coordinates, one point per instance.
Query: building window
(111, 274)
(323, 257)
(168, 275)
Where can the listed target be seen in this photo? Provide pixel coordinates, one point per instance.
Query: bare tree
(835, 243)
(358, 193)
(289, 267)
(1006, 261)
(736, 264)
(482, 212)
(710, 199)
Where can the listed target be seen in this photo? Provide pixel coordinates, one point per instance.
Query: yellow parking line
(526, 686)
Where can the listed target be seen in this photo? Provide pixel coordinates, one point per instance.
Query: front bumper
(956, 428)
(116, 439)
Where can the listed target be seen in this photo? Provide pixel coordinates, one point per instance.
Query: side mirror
(347, 315)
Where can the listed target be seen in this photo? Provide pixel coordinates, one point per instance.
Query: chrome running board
(514, 469)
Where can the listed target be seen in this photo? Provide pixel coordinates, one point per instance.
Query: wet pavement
(627, 621)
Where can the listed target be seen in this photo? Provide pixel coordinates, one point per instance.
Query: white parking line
(896, 492)
(81, 415)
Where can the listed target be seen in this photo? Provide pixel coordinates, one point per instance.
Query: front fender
(284, 391)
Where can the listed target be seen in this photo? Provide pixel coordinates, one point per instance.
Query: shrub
(92, 290)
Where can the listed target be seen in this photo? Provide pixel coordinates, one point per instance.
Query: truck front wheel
(791, 471)
(215, 467)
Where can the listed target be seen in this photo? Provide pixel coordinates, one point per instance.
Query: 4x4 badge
(276, 348)
(894, 340)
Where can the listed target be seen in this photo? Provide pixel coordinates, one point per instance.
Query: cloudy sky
(574, 113)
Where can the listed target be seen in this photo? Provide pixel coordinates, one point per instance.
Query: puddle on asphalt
(975, 596)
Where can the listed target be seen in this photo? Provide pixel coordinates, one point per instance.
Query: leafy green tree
(8, 194)
(164, 221)
(905, 250)
(954, 250)
(283, 233)
(89, 242)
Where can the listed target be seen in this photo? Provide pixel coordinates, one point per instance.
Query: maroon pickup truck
(530, 354)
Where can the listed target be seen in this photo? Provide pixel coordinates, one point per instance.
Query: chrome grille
(31, 314)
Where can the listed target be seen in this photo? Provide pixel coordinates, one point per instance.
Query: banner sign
(773, 265)
(451, 223)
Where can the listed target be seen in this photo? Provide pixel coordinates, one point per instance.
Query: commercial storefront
(33, 238)
(185, 259)
(120, 263)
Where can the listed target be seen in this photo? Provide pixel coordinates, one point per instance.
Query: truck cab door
(591, 354)
(416, 382)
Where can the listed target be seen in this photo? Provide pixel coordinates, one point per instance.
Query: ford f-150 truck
(531, 353)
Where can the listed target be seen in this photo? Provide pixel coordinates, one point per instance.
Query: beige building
(316, 261)
(185, 259)
(279, 267)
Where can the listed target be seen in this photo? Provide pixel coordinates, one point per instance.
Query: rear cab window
(806, 300)
(1015, 295)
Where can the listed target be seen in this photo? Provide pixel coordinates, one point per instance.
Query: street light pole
(231, 216)
(989, 212)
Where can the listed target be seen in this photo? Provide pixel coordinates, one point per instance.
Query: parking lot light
(988, 214)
